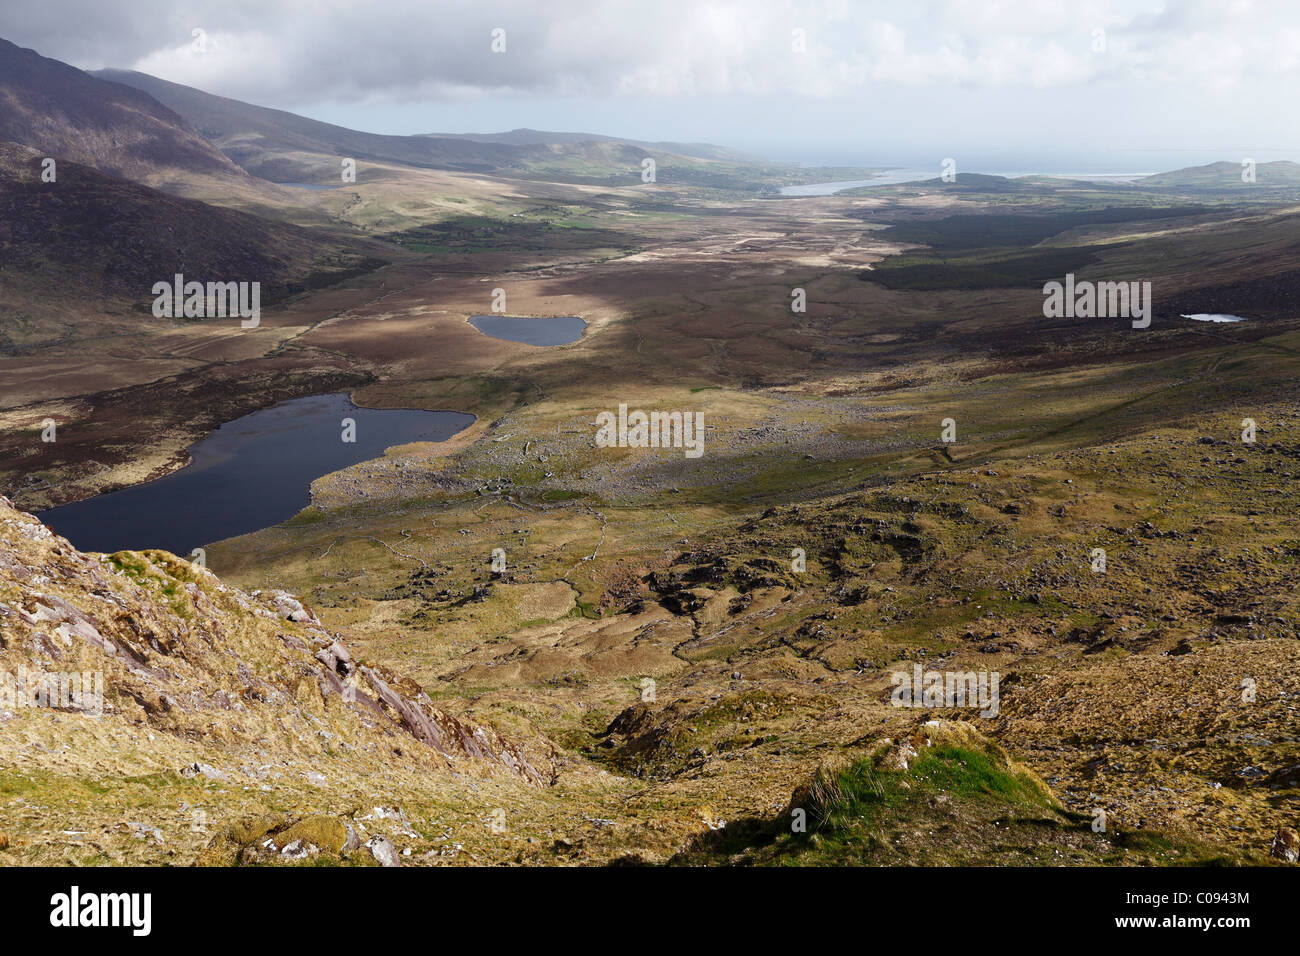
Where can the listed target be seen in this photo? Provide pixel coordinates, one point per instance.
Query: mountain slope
(90, 239)
(285, 147)
(540, 137)
(239, 703)
(1225, 174)
(67, 114)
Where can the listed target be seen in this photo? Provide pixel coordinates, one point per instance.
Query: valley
(571, 654)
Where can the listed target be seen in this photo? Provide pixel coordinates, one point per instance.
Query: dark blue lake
(249, 474)
(553, 330)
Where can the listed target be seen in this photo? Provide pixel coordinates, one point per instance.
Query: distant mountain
(284, 147)
(536, 137)
(963, 182)
(65, 113)
(1225, 174)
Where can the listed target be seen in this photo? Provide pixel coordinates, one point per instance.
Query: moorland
(518, 646)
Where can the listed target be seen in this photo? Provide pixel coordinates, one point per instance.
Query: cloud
(293, 52)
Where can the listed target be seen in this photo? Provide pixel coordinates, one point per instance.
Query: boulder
(1286, 846)
(382, 849)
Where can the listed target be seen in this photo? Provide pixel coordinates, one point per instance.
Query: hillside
(201, 708)
(539, 137)
(1227, 175)
(284, 147)
(525, 734)
(67, 114)
(93, 240)
(1121, 690)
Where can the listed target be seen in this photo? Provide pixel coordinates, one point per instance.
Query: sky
(1086, 85)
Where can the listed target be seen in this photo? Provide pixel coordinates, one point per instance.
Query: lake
(1213, 317)
(555, 330)
(249, 474)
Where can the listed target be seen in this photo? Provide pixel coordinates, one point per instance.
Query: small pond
(554, 330)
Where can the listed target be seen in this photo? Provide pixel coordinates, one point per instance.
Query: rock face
(145, 641)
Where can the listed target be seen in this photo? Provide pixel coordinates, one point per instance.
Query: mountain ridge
(66, 113)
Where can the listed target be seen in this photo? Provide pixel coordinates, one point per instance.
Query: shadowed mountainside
(285, 147)
(66, 113)
(93, 237)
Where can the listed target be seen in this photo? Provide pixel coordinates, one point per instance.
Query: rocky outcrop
(148, 640)
(1285, 846)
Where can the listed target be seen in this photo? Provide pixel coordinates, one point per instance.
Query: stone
(898, 756)
(382, 849)
(202, 769)
(1286, 846)
(352, 841)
